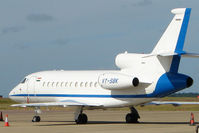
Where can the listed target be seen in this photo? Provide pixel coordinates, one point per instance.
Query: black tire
(197, 129)
(79, 119)
(82, 119)
(34, 119)
(131, 118)
(38, 118)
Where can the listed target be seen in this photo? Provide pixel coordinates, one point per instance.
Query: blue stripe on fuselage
(83, 95)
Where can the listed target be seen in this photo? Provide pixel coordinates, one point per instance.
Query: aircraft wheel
(82, 119)
(36, 119)
(131, 118)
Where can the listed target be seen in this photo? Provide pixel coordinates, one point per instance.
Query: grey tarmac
(99, 121)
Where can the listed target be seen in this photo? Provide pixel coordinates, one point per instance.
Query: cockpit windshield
(24, 80)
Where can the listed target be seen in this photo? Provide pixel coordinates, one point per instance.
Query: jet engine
(114, 81)
(126, 60)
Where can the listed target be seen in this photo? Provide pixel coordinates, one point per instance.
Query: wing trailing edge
(62, 104)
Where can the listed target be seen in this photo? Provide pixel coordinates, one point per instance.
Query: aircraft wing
(65, 103)
(175, 103)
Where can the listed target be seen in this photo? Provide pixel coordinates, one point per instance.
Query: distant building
(1, 96)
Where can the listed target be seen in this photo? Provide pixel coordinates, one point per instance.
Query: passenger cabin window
(76, 84)
(23, 81)
(43, 84)
(52, 84)
(71, 84)
(81, 84)
(95, 84)
(91, 84)
(57, 84)
(66, 84)
(48, 84)
(86, 84)
(62, 83)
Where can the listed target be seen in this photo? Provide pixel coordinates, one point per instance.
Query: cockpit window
(24, 80)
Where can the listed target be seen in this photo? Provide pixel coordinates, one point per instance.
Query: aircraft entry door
(31, 89)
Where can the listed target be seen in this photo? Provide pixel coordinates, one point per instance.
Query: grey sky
(74, 34)
(39, 17)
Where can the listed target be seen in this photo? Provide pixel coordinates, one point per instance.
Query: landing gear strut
(36, 118)
(80, 118)
(133, 116)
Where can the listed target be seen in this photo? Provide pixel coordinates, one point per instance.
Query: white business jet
(142, 78)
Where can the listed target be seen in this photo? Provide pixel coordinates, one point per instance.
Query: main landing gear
(80, 118)
(36, 118)
(133, 116)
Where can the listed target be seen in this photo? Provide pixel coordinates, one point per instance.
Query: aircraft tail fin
(172, 40)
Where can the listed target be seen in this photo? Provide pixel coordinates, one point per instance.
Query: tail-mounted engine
(114, 81)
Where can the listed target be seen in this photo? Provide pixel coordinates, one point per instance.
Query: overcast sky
(85, 34)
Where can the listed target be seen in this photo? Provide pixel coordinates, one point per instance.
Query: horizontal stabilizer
(183, 54)
(161, 54)
(175, 103)
(194, 55)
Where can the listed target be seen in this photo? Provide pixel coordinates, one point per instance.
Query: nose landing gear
(36, 118)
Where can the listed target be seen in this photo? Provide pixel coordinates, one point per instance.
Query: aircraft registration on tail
(142, 78)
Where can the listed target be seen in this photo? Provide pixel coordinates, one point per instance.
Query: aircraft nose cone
(10, 93)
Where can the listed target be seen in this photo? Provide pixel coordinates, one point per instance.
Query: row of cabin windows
(70, 84)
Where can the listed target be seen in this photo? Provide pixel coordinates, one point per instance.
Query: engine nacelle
(114, 81)
(126, 60)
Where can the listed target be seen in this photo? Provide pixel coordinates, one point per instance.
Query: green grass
(187, 99)
(6, 102)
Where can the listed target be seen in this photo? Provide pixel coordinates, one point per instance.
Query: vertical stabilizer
(172, 41)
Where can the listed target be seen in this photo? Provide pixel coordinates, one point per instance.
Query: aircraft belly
(103, 102)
